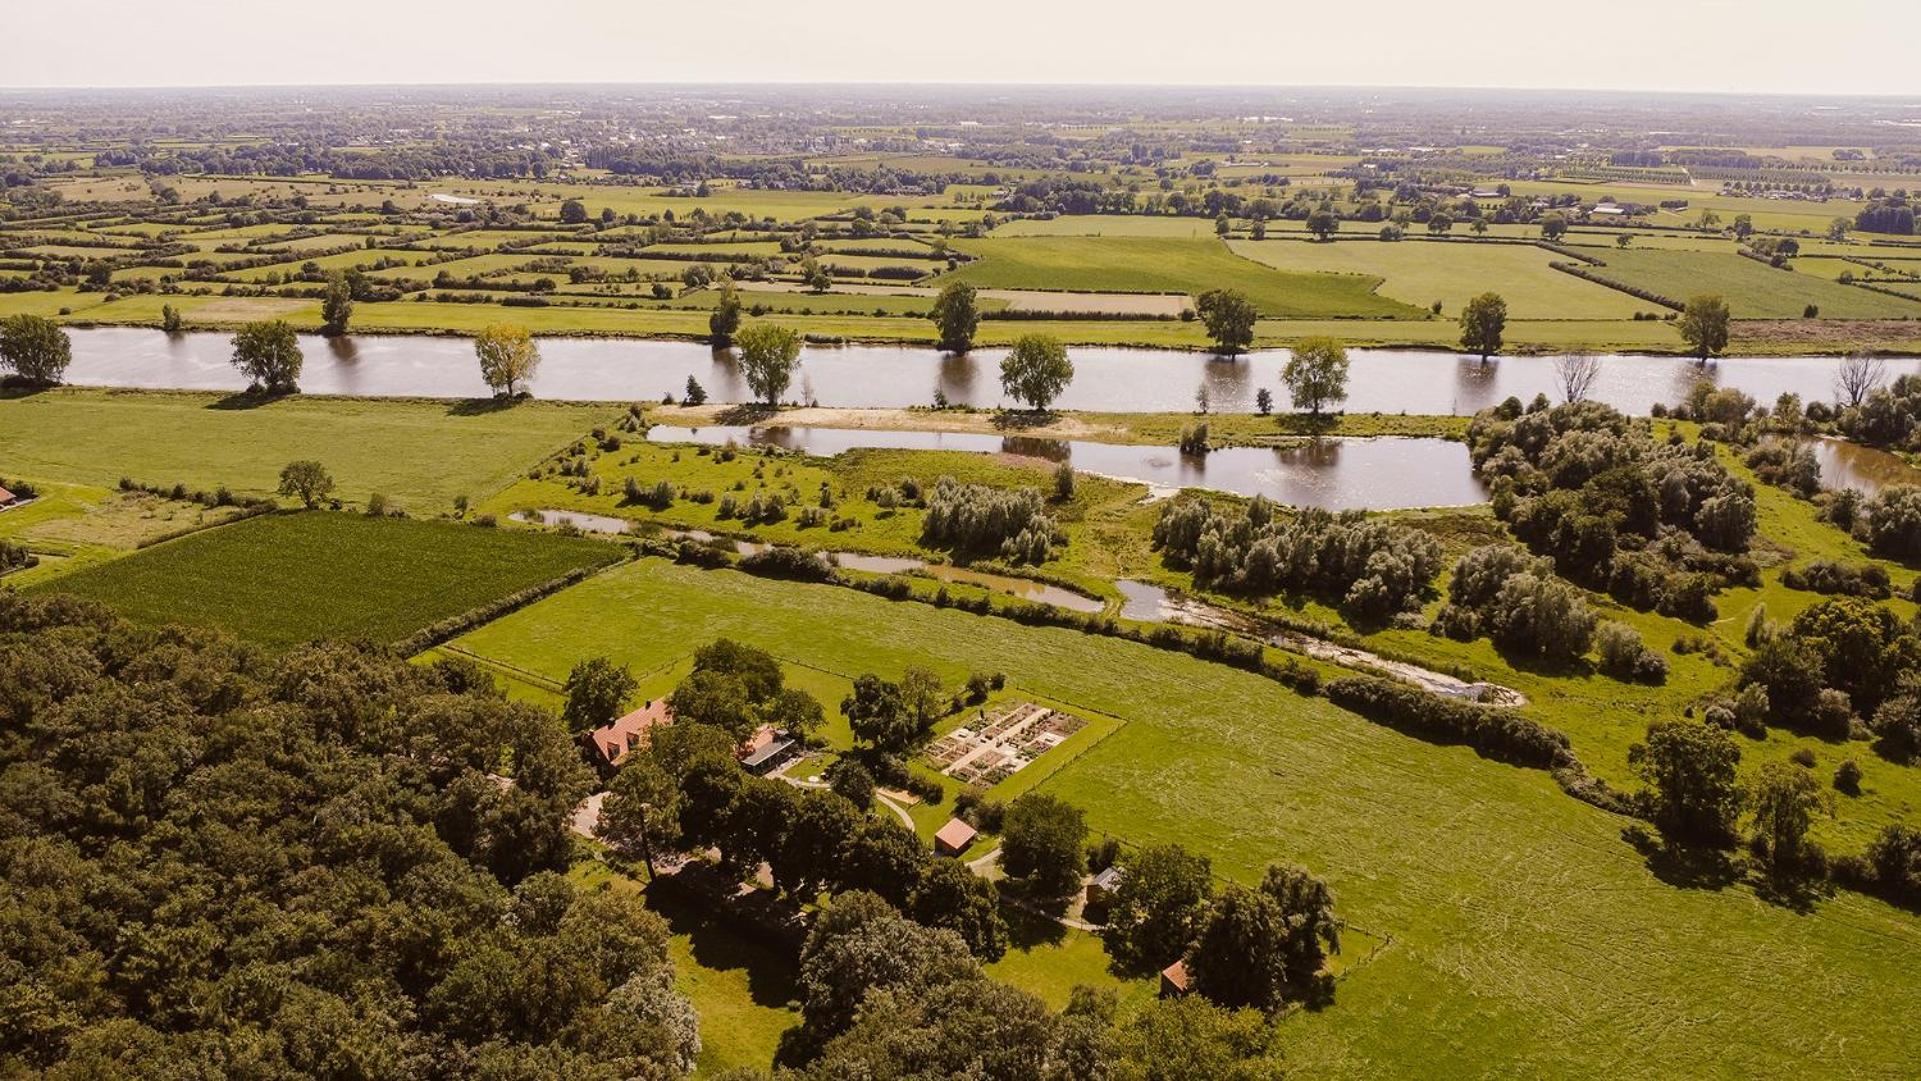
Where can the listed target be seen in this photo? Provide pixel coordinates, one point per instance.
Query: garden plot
(1001, 745)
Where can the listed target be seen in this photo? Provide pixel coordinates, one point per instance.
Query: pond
(1865, 469)
(1333, 474)
(1106, 379)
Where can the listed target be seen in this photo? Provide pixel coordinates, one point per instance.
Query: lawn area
(1421, 272)
(282, 579)
(1168, 265)
(1524, 937)
(1753, 289)
(421, 454)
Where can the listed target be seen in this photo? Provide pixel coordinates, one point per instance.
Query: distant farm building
(953, 838)
(7, 498)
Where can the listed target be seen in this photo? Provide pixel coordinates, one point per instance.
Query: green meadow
(1521, 932)
(421, 454)
(1168, 265)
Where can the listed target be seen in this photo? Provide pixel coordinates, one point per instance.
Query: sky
(1766, 46)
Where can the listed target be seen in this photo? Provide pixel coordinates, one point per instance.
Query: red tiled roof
(955, 835)
(1174, 977)
(5, 496)
(615, 741)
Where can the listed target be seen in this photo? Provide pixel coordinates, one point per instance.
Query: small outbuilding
(1100, 888)
(764, 750)
(953, 838)
(1174, 980)
(8, 499)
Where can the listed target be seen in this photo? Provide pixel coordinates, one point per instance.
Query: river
(1106, 379)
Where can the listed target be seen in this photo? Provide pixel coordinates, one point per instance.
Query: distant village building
(953, 838)
(609, 744)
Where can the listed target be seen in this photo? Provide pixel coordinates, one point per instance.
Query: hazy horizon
(1709, 46)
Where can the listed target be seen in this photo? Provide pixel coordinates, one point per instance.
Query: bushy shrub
(1624, 656)
(1498, 733)
(1372, 567)
(976, 518)
(1835, 577)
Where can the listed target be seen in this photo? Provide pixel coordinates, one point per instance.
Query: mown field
(282, 579)
(1420, 273)
(1524, 937)
(1753, 289)
(1168, 265)
(420, 454)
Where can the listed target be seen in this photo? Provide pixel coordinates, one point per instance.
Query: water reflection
(880, 376)
(1334, 474)
(1865, 469)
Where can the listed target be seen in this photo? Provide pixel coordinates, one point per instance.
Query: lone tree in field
(1229, 317)
(269, 354)
(1323, 223)
(1690, 769)
(1785, 798)
(1553, 225)
(1036, 370)
(957, 314)
(337, 307)
(573, 212)
(35, 348)
(308, 481)
(696, 394)
(722, 325)
(170, 320)
(1316, 374)
(597, 692)
(816, 276)
(1859, 373)
(1576, 372)
(1483, 322)
(1704, 325)
(508, 356)
(769, 355)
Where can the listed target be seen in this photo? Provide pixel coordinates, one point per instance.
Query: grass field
(421, 454)
(282, 579)
(71, 526)
(1422, 272)
(1168, 265)
(1753, 289)
(1524, 937)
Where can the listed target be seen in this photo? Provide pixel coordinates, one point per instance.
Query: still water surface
(880, 376)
